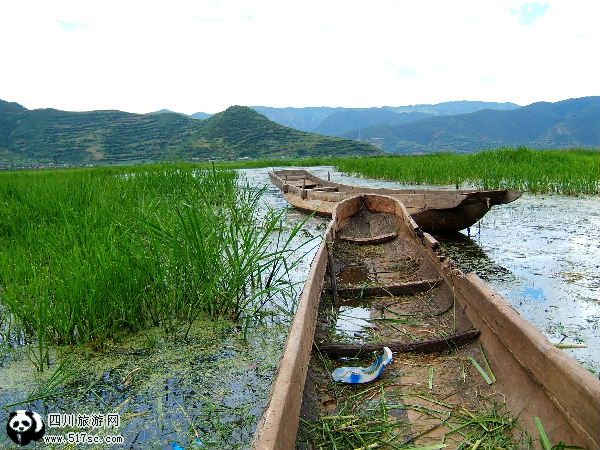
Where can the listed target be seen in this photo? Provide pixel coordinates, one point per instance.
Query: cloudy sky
(205, 55)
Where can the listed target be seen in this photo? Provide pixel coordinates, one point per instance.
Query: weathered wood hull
(534, 377)
(439, 211)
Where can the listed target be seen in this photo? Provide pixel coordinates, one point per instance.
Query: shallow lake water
(541, 252)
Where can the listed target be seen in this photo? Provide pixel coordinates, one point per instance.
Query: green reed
(567, 172)
(88, 253)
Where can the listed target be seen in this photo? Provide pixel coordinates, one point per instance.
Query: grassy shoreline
(162, 293)
(567, 172)
(539, 172)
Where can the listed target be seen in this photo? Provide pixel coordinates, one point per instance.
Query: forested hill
(50, 135)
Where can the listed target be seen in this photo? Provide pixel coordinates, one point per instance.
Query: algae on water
(212, 385)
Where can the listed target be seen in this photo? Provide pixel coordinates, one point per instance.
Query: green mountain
(453, 108)
(331, 121)
(57, 136)
(50, 135)
(241, 131)
(196, 115)
(305, 119)
(165, 111)
(200, 115)
(10, 115)
(568, 123)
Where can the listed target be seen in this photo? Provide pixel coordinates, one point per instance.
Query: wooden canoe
(438, 210)
(407, 275)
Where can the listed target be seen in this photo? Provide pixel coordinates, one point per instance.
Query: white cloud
(206, 55)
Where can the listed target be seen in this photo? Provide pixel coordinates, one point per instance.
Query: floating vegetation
(213, 385)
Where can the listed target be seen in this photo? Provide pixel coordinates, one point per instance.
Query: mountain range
(54, 136)
(337, 121)
(454, 126)
(565, 124)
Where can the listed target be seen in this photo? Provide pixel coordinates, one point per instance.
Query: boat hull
(435, 211)
(534, 377)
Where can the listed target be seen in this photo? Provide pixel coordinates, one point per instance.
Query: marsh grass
(567, 172)
(89, 253)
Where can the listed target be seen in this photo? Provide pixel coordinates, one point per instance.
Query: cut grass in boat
(481, 370)
(375, 416)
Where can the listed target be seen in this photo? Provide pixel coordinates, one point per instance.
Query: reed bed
(568, 172)
(89, 253)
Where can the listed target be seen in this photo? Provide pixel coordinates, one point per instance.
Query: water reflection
(353, 322)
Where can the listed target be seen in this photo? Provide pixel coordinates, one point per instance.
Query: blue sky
(205, 55)
(529, 12)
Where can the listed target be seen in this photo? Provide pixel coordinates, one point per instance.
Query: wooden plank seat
(391, 290)
(371, 240)
(327, 189)
(307, 185)
(439, 344)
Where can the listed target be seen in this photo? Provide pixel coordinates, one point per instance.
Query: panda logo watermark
(24, 426)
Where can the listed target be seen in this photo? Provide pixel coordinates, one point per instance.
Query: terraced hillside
(50, 135)
(62, 136)
(241, 130)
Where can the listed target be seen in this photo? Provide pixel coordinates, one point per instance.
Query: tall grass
(549, 171)
(568, 172)
(85, 254)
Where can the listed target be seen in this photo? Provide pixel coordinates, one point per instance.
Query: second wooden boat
(468, 370)
(438, 210)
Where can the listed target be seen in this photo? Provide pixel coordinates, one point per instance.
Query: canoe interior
(403, 290)
(429, 313)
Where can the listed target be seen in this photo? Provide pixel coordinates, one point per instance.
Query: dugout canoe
(437, 210)
(383, 261)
